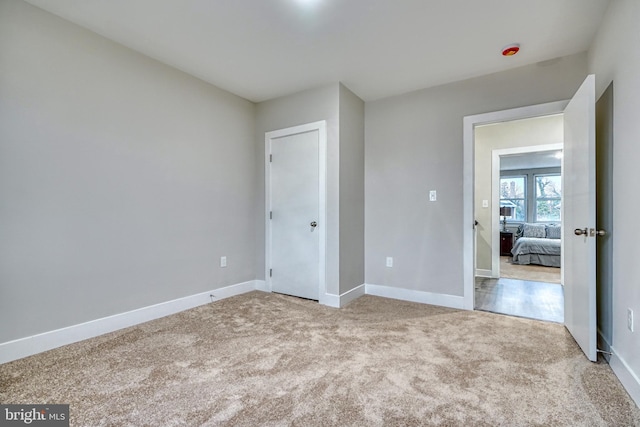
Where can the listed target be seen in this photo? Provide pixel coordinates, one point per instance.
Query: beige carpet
(532, 273)
(267, 359)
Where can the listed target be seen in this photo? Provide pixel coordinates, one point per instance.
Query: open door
(579, 218)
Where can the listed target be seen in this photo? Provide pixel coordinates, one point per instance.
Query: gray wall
(611, 60)
(122, 181)
(351, 190)
(413, 145)
(305, 107)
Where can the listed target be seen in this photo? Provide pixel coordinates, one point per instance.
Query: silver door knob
(313, 224)
(601, 233)
(580, 232)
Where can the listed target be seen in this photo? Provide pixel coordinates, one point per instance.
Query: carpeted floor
(532, 273)
(267, 359)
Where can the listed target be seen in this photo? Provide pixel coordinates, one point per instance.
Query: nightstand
(506, 243)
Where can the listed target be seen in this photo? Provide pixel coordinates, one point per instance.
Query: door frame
(468, 180)
(321, 127)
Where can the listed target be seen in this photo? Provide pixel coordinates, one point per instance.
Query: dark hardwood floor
(522, 298)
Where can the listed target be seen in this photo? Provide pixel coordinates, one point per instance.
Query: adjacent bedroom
(518, 214)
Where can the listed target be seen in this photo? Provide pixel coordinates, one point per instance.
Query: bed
(537, 244)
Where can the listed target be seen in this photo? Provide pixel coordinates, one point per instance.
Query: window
(534, 193)
(513, 193)
(548, 197)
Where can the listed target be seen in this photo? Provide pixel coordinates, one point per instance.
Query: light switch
(432, 196)
(389, 261)
(485, 203)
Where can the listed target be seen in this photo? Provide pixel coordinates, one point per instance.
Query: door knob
(580, 232)
(313, 224)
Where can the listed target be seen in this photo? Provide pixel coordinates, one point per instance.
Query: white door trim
(321, 127)
(469, 124)
(495, 195)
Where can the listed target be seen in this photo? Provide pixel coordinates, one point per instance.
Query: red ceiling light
(511, 49)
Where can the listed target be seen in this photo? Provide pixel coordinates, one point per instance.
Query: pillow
(534, 230)
(554, 232)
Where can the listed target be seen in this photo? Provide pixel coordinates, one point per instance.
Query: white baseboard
(351, 295)
(23, 347)
(261, 285)
(330, 300)
(625, 374)
(484, 273)
(444, 300)
(338, 301)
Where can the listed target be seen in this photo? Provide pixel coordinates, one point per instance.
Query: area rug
(262, 359)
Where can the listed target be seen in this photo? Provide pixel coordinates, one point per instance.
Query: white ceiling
(261, 49)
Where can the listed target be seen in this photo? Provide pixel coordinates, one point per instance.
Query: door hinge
(270, 214)
(270, 158)
(271, 272)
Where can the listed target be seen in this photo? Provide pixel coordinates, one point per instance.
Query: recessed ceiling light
(511, 49)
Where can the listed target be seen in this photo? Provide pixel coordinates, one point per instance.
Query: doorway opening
(488, 222)
(520, 246)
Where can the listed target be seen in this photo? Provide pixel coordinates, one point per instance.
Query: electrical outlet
(389, 261)
(223, 261)
(630, 319)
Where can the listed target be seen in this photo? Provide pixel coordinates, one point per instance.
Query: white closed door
(579, 218)
(294, 220)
